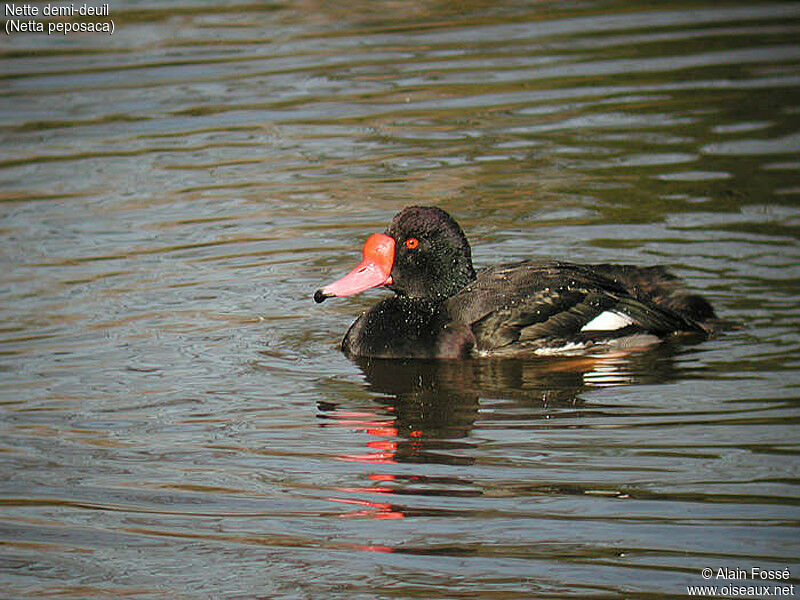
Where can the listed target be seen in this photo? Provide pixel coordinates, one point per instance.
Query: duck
(442, 308)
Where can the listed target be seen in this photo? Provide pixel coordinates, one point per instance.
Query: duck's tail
(656, 285)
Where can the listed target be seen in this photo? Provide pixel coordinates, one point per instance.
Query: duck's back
(532, 306)
(658, 286)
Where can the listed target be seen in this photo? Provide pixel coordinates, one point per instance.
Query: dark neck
(440, 281)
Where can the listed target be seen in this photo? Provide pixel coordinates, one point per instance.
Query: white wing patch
(608, 320)
(568, 349)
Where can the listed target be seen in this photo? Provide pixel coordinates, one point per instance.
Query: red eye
(412, 243)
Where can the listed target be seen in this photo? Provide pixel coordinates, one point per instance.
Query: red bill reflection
(382, 449)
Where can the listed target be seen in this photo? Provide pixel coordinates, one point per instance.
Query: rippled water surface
(176, 420)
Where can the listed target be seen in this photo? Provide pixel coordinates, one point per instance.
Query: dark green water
(175, 418)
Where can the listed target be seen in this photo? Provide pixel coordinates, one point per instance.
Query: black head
(432, 257)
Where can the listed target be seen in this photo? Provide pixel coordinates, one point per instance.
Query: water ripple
(176, 416)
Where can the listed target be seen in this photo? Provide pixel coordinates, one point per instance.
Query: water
(176, 418)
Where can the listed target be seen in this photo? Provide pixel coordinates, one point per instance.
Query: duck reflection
(441, 400)
(429, 412)
(423, 406)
